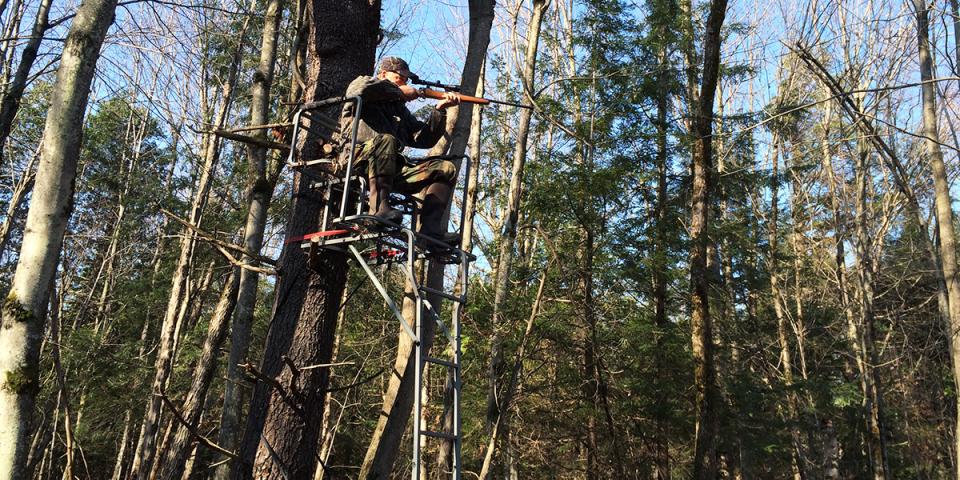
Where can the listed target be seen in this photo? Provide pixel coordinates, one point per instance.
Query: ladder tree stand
(372, 242)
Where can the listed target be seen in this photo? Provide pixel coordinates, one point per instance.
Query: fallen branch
(259, 127)
(250, 140)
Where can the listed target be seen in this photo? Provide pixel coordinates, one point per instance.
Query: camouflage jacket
(384, 111)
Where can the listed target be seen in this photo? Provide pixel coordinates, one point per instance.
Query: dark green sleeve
(425, 134)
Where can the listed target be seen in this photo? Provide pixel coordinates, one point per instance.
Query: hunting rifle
(437, 95)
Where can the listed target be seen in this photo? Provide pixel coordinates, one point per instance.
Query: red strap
(309, 236)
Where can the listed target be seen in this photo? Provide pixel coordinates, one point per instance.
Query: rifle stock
(428, 93)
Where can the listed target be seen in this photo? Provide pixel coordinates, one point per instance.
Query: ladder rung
(445, 436)
(439, 361)
(442, 294)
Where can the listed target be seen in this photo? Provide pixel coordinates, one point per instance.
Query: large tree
(281, 437)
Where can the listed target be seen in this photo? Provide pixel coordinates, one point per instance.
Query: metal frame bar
(383, 293)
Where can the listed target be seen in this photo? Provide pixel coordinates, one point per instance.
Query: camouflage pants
(381, 157)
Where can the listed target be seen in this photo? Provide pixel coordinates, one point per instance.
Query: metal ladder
(348, 227)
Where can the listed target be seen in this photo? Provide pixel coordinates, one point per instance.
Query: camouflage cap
(398, 65)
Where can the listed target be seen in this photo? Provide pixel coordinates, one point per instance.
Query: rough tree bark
(281, 437)
(24, 309)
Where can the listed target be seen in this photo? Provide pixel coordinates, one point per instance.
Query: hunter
(386, 128)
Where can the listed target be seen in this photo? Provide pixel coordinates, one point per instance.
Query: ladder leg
(418, 365)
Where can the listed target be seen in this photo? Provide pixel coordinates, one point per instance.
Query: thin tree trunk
(508, 235)
(68, 437)
(10, 103)
(24, 309)
(660, 263)
(261, 181)
(515, 372)
(955, 13)
(445, 453)
(777, 298)
(20, 191)
(179, 293)
(171, 467)
(876, 446)
(944, 211)
(398, 398)
(701, 106)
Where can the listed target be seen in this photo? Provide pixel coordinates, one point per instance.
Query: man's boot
(435, 201)
(379, 202)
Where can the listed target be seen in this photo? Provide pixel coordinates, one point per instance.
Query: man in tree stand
(386, 128)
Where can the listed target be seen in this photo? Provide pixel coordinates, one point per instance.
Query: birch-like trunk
(944, 211)
(24, 309)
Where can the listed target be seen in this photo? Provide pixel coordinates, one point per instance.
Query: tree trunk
(14, 92)
(944, 211)
(777, 298)
(660, 264)
(398, 398)
(179, 292)
(261, 181)
(508, 234)
(23, 187)
(171, 467)
(445, 454)
(876, 445)
(24, 309)
(701, 107)
(341, 46)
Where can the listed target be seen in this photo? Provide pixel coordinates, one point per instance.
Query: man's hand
(449, 99)
(408, 93)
